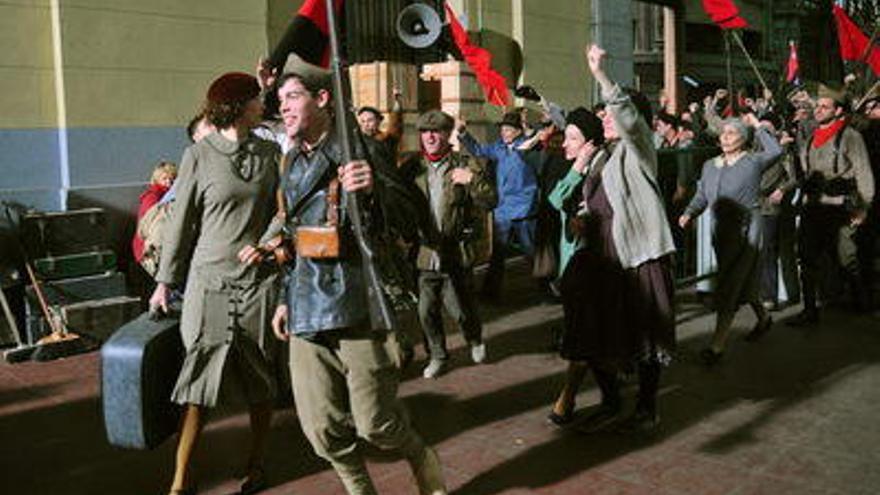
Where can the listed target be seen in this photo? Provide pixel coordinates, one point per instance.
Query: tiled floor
(793, 414)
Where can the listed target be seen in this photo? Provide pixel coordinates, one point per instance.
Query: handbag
(544, 264)
(322, 241)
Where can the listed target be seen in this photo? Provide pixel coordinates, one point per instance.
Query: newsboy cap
(435, 120)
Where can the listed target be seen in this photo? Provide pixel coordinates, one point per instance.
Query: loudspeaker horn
(419, 26)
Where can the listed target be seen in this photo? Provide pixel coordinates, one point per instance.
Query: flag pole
(783, 77)
(729, 68)
(739, 42)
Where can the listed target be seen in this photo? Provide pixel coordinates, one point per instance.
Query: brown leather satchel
(322, 241)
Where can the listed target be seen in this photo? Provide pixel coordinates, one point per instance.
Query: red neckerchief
(824, 134)
(434, 158)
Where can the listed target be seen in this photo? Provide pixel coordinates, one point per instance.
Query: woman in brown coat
(225, 202)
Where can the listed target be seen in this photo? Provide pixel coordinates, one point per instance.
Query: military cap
(838, 95)
(319, 76)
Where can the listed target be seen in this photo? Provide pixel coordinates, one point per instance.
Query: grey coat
(639, 227)
(225, 200)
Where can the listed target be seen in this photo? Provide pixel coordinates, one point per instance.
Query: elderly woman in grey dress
(225, 202)
(730, 187)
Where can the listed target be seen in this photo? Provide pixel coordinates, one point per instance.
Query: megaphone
(419, 26)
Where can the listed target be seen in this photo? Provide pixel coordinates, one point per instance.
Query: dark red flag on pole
(853, 42)
(794, 67)
(307, 35)
(480, 61)
(725, 14)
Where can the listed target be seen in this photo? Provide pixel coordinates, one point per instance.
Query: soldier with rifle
(838, 188)
(345, 355)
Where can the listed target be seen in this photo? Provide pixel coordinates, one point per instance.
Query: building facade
(95, 92)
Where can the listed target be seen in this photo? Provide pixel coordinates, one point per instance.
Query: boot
(428, 472)
(355, 479)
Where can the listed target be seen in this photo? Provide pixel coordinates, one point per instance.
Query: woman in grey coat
(730, 186)
(225, 202)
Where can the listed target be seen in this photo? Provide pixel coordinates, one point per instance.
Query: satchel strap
(280, 203)
(333, 203)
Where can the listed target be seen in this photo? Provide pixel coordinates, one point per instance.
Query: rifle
(381, 312)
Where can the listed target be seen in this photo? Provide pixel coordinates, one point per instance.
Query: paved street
(793, 414)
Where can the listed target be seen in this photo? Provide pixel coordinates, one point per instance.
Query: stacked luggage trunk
(71, 255)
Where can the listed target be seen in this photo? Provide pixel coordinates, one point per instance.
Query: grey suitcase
(139, 367)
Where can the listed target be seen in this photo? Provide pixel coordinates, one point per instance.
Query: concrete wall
(95, 92)
(554, 34)
(129, 76)
(29, 165)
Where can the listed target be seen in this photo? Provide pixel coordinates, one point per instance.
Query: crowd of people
(260, 241)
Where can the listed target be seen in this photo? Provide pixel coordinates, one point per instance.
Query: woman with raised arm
(618, 285)
(730, 186)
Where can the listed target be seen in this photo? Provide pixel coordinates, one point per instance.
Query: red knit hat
(233, 87)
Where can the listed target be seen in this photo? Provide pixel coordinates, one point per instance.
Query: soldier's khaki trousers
(345, 386)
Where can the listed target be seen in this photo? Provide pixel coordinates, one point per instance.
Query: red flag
(725, 14)
(791, 72)
(307, 35)
(853, 42)
(480, 61)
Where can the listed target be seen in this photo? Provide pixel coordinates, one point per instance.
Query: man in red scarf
(838, 189)
(455, 189)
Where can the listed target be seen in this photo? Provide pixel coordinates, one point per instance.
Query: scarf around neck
(824, 134)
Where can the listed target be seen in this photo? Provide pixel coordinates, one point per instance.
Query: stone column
(460, 95)
(372, 84)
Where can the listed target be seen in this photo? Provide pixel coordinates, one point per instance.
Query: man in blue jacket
(517, 186)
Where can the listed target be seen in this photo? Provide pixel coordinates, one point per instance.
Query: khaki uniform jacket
(852, 162)
(463, 209)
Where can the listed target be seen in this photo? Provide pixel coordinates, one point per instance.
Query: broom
(61, 342)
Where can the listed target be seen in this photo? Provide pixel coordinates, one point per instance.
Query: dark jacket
(326, 294)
